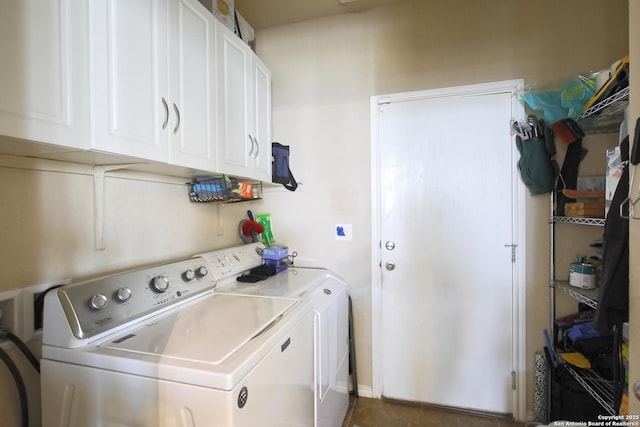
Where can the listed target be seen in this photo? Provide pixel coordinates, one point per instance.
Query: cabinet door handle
(252, 146)
(175, 129)
(166, 114)
(255, 156)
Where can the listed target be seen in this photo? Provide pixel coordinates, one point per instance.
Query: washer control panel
(95, 306)
(231, 262)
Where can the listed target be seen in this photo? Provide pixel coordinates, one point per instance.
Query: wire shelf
(606, 115)
(578, 220)
(616, 100)
(599, 388)
(586, 296)
(223, 189)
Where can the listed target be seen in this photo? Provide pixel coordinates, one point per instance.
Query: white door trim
(519, 222)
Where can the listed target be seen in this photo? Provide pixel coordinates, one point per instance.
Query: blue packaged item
(568, 102)
(583, 331)
(276, 256)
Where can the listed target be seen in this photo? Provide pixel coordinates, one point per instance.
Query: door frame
(519, 211)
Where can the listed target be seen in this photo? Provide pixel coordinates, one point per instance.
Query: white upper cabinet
(44, 80)
(154, 65)
(158, 80)
(193, 85)
(262, 120)
(234, 143)
(244, 144)
(130, 54)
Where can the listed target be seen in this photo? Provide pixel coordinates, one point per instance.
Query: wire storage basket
(223, 189)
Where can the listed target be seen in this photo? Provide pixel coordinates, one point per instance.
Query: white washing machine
(185, 344)
(328, 296)
(159, 346)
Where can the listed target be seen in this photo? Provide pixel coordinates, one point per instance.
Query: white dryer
(328, 295)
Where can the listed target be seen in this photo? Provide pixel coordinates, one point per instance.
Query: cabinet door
(44, 92)
(130, 65)
(262, 121)
(193, 85)
(235, 144)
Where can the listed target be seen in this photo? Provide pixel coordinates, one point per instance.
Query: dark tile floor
(366, 412)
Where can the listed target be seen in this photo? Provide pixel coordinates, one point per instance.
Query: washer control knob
(98, 302)
(188, 275)
(123, 294)
(159, 283)
(201, 272)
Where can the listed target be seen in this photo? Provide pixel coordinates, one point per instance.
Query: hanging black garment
(613, 302)
(569, 174)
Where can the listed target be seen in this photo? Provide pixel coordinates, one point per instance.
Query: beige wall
(47, 223)
(324, 72)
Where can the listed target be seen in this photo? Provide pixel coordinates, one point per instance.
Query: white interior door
(446, 225)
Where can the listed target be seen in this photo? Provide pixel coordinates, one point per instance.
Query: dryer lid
(208, 331)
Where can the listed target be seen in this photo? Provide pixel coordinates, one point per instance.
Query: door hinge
(513, 380)
(513, 247)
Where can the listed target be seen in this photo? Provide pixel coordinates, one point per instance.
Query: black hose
(22, 391)
(23, 348)
(352, 353)
(38, 307)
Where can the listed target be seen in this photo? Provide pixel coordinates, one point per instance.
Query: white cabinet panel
(193, 85)
(244, 147)
(44, 92)
(131, 106)
(235, 91)
(262, 120)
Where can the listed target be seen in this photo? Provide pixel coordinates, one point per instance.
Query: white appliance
(167, 346)
(328, 296)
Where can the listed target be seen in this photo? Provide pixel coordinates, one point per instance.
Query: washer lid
(208, 331)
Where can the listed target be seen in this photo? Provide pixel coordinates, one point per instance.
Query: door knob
(390, 245)
(390, 266)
